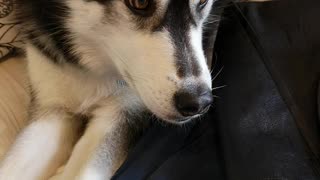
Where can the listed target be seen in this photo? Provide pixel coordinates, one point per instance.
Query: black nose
(190, 104)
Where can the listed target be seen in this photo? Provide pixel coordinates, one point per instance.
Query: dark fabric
(319, 102)
(265, 126)
(169, 153)
(268, 116)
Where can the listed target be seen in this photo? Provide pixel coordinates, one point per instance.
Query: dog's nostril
(190, 104)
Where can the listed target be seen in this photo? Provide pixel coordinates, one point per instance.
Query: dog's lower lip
(184, 120)
(195, 116)
(204, 110)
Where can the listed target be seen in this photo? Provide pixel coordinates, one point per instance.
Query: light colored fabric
(14, 101)
(9, 28)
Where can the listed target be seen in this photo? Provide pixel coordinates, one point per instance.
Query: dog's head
(156, 46)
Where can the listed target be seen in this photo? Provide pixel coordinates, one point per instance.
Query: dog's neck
(74, 87)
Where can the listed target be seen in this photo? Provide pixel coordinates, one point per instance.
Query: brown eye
(203, 2)
(139, 4)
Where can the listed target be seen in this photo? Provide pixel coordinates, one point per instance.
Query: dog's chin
(175, 118)
(180, 120)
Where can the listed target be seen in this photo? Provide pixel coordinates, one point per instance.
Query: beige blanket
(14, 101)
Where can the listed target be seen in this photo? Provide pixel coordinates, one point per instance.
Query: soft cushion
(9, 28)
(14, 101)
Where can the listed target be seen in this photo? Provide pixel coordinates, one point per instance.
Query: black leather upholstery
(268, 114)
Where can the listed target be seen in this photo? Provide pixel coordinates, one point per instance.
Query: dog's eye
(203, 3)
(139, 4)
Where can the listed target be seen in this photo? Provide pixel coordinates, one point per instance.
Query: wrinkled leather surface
(319, 102)
(269, 121)
(172, 153)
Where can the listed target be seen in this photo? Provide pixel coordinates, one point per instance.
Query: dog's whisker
(215, 96)
(218, 87)
(219, 72)
(211, 71)
(214, 64)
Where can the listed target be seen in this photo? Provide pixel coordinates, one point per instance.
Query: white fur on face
(145, 60)
(196, 43)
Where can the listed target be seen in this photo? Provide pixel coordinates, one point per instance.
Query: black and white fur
(102, 62)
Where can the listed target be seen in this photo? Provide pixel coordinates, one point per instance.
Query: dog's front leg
(41, 148)
(100, 151)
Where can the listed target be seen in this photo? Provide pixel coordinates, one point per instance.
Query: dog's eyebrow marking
(177, 21)
(41, 47)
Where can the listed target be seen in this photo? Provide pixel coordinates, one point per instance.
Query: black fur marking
(48, 17)
(41, 47)
(33, 102)
(178, 20)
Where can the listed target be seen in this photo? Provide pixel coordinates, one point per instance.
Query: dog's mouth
(182, 121)
(185, 120)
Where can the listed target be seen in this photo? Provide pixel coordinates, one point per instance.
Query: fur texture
(102, 61)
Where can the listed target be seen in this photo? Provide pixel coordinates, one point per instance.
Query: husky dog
(105, 62)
